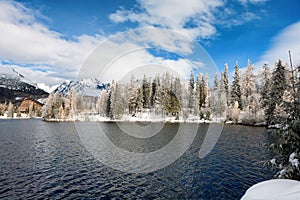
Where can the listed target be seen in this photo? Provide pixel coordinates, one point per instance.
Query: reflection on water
(47, 160)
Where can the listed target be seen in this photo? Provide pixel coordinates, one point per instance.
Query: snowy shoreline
(143, 120)
(166, 120)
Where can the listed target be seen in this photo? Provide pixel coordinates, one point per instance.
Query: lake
(48, 160)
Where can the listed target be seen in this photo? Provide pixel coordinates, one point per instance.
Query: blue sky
(49, 40)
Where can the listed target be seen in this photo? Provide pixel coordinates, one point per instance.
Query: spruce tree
(287, 146)
(108, 110)
(153, 92)
(248, 82)
(236, 94)
(278, 86)
(133, 93)
(265, 85)
(225, 82)
(216, 82)
(10, 110)
(118, 102)
(191, 92)
(146, 92)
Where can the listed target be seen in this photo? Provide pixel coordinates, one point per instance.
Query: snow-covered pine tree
(278, 86)
(140, 99)
(47, 108)
(118, 102)
(157, 97)
(72, 99)
(108, 110)
(287, 146)
(235, 112)
(236, 94)
(10, 110)
(250, 96)
(225, 81)
(248, 84)
(102, 103)
(216, 82)
(191, 92)
(57, 103)
(153, 92)
(265, 85)
(218, 99)
(132, 102)
(178, 90)
(146, 92)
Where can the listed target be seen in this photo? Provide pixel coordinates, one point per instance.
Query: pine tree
(132, 102)
(153, 92)
(225, 82)
(108, 110)
(191, 92)
(71, 100)
(140, 99)
(249, 95)
(235, 112)
(287, 146)
(236, 94)
(265, 86)
(178, 90)
(248, 83)
(203, 92)
(146, 92)
(57, 102)
(278, 86)
(216, 82)
(10, 110)
(47, 108)
(118, 103)
(101, 103)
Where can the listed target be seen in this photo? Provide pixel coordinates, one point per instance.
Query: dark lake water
(47, 160)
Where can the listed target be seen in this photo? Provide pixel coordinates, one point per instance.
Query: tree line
(250, 98)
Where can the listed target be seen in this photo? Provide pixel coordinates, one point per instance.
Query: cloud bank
(46, 54)
(287, 39)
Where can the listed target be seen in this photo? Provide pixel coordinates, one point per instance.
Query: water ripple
(47, 161)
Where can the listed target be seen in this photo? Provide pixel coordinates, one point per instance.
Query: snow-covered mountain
(47, 88)
(14, 86)
(85, 87)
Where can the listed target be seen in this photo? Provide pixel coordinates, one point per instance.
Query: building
(28, 104)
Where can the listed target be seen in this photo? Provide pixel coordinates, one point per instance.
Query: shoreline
(141, 120)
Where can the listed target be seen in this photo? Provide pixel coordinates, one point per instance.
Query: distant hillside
(14, 86)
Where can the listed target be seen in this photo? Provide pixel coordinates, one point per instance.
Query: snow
(294, 161)
(47, 88)
(276, 189)
(275, 126)
(273, 161)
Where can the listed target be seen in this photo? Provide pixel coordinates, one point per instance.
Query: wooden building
(26, 103)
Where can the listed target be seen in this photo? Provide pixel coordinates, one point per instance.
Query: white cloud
(245, 2)
(129, 51)
(286, 40)
(27, 42)
(193, 18)
(50, 58)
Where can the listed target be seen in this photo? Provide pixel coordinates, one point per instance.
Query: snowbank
(277, 189)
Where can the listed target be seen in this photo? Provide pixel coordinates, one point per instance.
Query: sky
(50, 41)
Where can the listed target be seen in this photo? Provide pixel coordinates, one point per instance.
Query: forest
(252, 98)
